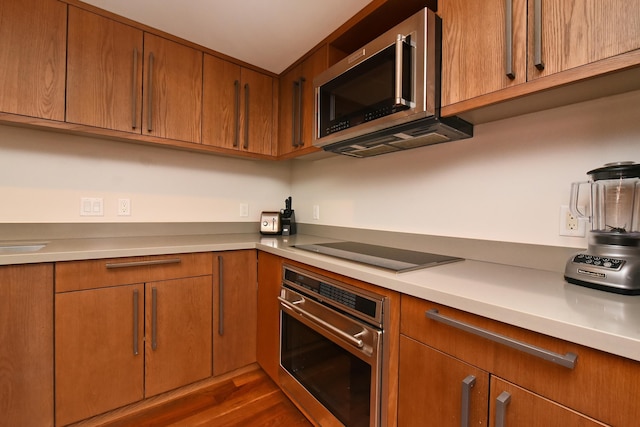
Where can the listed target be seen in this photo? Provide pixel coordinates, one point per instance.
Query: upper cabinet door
(104, 72)
(221, 103)
(237, 107)
(479, 53)
(172, 90)
(578, 32)
(297, 101)
(256, 116)
(32, 58)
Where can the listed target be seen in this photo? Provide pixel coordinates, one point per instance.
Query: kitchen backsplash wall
(505, 184)
(43, 176)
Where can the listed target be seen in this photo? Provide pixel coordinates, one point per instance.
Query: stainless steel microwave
(385, 96)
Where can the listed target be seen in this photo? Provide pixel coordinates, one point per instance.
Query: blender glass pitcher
(614, 198)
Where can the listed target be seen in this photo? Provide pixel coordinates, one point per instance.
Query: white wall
(506, 184)
(43, 175)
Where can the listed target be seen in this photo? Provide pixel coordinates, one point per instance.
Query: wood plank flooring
(249, 399)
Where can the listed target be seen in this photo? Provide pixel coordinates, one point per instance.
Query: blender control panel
(599, 261)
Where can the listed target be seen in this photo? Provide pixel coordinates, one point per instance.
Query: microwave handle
(400, 40)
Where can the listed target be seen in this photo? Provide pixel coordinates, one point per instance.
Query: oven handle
(348, 337)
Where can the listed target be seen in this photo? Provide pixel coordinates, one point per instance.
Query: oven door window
(335, 377)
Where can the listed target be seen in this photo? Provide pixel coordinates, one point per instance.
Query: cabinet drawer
(599, 385)
(79, 275)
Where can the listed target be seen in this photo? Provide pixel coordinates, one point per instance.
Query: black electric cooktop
(398, 260)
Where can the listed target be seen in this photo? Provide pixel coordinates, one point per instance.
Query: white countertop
(537, 300)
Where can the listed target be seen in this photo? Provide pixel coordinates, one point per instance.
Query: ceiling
(271, 34)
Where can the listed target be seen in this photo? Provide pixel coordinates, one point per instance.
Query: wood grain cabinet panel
(597, 387)
(432, 386)
(128, 329)
(474, 48)
(104, 72)
(172, 90)
(296, 104)
(488, 49)
(235, 276)
(26, 345)
(238, 107)
(99, 366)
(580, 32)
(33, 36)
(268, 340)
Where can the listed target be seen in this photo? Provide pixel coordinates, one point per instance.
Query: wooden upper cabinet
(237, 107)
(172, 93)
(486, 49)
(32, 57)
(104, 72)
(579, 32)
(296, 103)
(475, 48)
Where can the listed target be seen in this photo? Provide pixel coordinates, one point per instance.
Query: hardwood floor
(249, 399)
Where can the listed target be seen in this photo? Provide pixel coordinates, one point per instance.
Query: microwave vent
(425, 139)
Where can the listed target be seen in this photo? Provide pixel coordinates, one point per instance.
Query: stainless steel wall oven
(332, 349)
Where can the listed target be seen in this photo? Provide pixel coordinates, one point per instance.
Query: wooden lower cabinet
(268, 339)
(438, 352)
(118, 344)
(515, 406)
(432, 386)
(439, 390)
(235, 310)
(26, 345)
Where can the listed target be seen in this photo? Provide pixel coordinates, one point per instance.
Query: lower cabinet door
(178, 333)
(98, 351)
(436, 389)
(511, 405)
(235, 304)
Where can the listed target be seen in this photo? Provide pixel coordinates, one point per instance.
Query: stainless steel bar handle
(400, 40)
(567, 360)
(246, 116)
(220, 296)
(501, 408)
(236, 136)
(299, 141)
(134, 98)
(135, 323)
(465, 407)
(509, 39)
(150, 94)
(143, 263)
(294, 111)
(537, 35)
(348, 337)
(154, 318)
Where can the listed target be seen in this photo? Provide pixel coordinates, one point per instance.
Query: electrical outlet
(244, 209)
(124, 207)
(569, 224)
(91, 206)
(316, 212)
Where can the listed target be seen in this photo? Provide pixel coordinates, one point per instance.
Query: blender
(612, 259)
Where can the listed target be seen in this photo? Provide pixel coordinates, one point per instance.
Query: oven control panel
(363, 304)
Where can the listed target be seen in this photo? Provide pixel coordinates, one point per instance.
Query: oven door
(329, 363)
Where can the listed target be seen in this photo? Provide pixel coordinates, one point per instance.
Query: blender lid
(618, 170)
